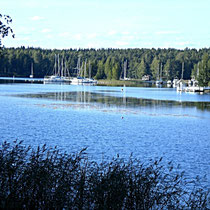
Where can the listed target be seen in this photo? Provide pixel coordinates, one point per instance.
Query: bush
(47, 178)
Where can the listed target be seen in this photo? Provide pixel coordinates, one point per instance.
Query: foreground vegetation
(46, 178)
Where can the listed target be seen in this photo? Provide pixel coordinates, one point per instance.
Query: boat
(53, 78)
(181, 86)
(32, 71)
(180, 83)
(169, 83)
(175, 82)
(89, 80)
(83, 80)
(124, 72)
(159, 82)
(59, 73)
(77, 80)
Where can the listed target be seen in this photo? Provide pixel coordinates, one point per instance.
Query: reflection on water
(147, 122)
(100, 98)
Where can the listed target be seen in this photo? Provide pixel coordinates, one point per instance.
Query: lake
(147, 122)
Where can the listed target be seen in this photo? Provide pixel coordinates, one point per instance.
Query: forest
(110, 63)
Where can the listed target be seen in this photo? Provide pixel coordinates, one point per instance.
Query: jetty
(25, 79)
(193, 89)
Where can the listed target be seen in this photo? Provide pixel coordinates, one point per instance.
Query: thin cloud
(111, 33)
(91, 36)
(183, 43)
(77, 36)
(36, 18)
(166, 32)
(125, 33)
(64, 34)
(121, 43)
(46, 30)
(49, 36)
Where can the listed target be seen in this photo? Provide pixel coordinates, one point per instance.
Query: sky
(64, 24)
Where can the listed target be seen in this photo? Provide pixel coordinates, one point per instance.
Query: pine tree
(141, 69)
(155, 68)
(204, 71)
(108, 68)
(100, 72)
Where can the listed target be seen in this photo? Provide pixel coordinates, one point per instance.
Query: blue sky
(64, 24)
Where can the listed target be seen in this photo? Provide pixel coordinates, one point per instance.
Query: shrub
(47, 178)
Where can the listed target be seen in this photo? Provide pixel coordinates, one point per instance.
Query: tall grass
(46, 178)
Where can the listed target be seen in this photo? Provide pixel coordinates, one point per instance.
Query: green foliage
(195, 71)
(115, 70)
(141, 69)
(204, 70)
(108, 68)
(106, 63)
(167, 69)
(5, 29)
(100, 73)
(155, 68)
(46, 178)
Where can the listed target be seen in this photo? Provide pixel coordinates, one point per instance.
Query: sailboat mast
(62, 67)
(55, 65)
(89, 70)
(158, 70)
(78, 66)
(182, 70)
(125, 68)
(85, 68)
(65, 68)
(32, 71)
(198, 70)
(58, 66)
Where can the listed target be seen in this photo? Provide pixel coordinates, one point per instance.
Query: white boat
(53, 78)
(89, 80)
(32, 71)
(82, 80)
(77, 80)
(159, 81)
(175, 82)
(59, 73)
(180, 83)
(169, 83)
(180, 86)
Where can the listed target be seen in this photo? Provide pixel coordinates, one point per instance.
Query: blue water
(147, 122)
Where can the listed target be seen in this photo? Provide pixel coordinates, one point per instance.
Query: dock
(194, 89)
(25, 79)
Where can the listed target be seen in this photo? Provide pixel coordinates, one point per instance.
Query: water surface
(148, 122)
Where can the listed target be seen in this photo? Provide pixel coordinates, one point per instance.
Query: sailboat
(32, 71)
(159, 81)
(83, 80)
(180, 84)
(89, 79)
(58, 72)
(78, 79)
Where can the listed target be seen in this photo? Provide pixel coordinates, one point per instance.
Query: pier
(194, 89)
(25, 79)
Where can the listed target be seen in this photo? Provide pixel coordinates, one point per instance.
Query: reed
(46, 178)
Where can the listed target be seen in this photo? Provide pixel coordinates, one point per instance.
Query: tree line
(110, 63)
